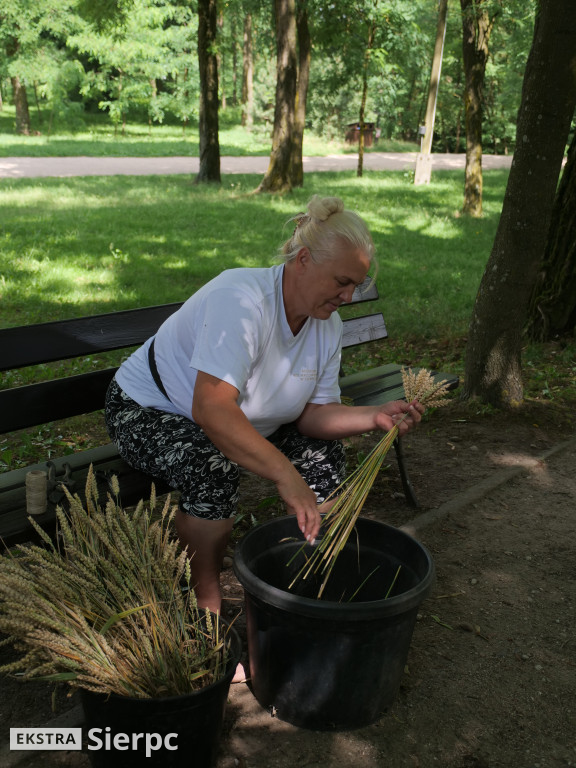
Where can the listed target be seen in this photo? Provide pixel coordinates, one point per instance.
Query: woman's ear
(303, 258)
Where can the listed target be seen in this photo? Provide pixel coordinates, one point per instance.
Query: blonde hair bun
(321, 208)
(323, 229)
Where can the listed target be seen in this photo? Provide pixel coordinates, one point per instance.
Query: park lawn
(96, 136)
(81, 246)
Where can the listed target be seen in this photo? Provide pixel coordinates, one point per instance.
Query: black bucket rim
(311, 608)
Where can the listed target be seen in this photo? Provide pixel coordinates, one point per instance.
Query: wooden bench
(47, 401)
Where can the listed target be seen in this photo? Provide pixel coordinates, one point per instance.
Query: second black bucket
(335, 663)
(172, 732)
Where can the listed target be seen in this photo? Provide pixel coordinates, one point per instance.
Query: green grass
(97, 137)
(79, 246)
(97, 244)
(91, 245)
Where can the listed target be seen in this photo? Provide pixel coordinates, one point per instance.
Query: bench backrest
(46, 401)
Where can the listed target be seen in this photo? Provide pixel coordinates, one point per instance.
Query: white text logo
(150, 742)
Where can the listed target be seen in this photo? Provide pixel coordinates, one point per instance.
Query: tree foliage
(135, 58)
(32, 47)
(147, 65)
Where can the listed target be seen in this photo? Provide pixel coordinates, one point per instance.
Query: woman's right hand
(216, 410)
(301, 501)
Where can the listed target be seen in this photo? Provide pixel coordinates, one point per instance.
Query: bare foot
(240, 674)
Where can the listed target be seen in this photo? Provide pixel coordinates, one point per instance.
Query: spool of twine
(36, 491)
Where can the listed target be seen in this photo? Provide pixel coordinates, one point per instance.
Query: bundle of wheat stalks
(339, 522)
(103, 609)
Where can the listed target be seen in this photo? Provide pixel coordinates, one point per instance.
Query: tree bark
(304, 56)
(493, 356)
(552, 311)
(19, 95)
(247, 74)
(234, 20)
(476, 29)
(366, 63)
(208, 116)
(278, 176)
(21, 106)
(423, 161)
(220, 62)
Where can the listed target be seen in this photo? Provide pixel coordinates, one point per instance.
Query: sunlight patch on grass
(174, 264)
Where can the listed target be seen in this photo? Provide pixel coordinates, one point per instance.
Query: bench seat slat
(134, 486)
(36, 404)
(368, 291)
(382, 384)
(61, 340)
(64, 339)
(359, 330)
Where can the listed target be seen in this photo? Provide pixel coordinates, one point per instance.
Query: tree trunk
(493, 356)
(553, 305)
(476, 28)
(208, 115)
(37, 100)
(153, 97)
(360, 166)
(247, 74)
(21, 106)
(304, 55)
(234, 21)
(220, 63)
(278, 175)
(423, 169)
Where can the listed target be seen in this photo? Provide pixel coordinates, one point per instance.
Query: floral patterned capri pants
(175, 449)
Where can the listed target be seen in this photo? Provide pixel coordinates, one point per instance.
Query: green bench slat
(134, 485)
(63, 339)
(383, 384)
(359, 330)
(46, 401)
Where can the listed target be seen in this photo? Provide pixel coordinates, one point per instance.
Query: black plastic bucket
(193, 720)
(331, 664)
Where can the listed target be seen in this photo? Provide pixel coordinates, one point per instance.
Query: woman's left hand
(399, 413)
(333, 421)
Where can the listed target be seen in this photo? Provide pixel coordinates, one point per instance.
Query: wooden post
(424, 159)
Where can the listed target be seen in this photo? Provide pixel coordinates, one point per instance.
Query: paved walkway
(29, 167)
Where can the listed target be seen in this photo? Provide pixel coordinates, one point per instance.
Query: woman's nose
(347, 293)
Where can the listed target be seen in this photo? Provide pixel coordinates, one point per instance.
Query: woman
(245, 374)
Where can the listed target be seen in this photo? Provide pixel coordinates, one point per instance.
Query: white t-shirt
(235, 328)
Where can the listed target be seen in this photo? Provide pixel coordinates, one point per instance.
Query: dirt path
(27, 167)
(491, 672)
